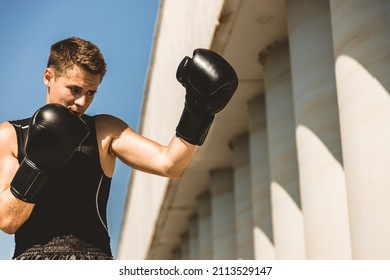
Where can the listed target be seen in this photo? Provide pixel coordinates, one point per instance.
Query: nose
(81, 100)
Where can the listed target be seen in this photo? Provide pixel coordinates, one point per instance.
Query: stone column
(361, 41)
(261, 193)
(243, 197)
(286, 202)
(322, 181)
(223, 215)
(205, 227)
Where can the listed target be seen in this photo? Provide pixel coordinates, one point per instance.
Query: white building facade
(297, 166)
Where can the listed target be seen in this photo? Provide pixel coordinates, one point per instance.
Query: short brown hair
(75, 51)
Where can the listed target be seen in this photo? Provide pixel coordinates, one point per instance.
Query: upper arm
(8, 155)
(142, 153)
(13, 212)
(117, 139)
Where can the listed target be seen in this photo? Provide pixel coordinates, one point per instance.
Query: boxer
(56, 166)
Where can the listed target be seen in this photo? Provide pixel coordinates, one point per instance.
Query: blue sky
(123, 29)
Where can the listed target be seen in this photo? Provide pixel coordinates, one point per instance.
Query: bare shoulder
(109, 127)
(8, 141)
(110, 124)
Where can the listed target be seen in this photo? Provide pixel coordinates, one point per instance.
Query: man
(56, 166)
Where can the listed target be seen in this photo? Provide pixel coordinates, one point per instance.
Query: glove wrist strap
(194, 128)
(28, 183)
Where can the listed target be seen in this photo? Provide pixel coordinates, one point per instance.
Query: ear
(48, 76)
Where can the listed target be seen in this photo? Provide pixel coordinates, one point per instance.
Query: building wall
(297, 166)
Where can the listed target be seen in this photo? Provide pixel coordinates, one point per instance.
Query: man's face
(75, 89)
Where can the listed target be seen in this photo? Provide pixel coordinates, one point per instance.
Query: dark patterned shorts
(64, 248)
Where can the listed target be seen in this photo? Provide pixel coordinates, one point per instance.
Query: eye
(75, 90)
(91, 93)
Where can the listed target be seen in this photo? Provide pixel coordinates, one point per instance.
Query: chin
(79, 114)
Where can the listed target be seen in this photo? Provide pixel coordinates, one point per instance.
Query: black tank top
(76, 201)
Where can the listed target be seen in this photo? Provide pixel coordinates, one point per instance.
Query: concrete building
(297, 166)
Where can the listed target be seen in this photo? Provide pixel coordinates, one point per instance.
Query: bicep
(8, 157)
(143, 153)
(139, 152)
(118, 140)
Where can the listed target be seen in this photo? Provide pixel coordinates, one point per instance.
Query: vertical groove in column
(193, 237)
(286, 203)
(205, 227)
(176, 254)
(184, 248)
(261, 192)
(243, 197)
(223, 214)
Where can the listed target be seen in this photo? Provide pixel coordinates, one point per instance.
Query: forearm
(13, 212)
(179, 154)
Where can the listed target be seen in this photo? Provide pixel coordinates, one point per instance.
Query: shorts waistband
(67, 247)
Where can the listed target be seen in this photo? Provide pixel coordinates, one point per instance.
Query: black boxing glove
(210, 82)
(53, 136)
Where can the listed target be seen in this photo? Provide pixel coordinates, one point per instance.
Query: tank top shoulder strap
(90, 121)
(21, 128)
(91, 139)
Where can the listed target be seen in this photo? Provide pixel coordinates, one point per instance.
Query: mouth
(77, 113)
